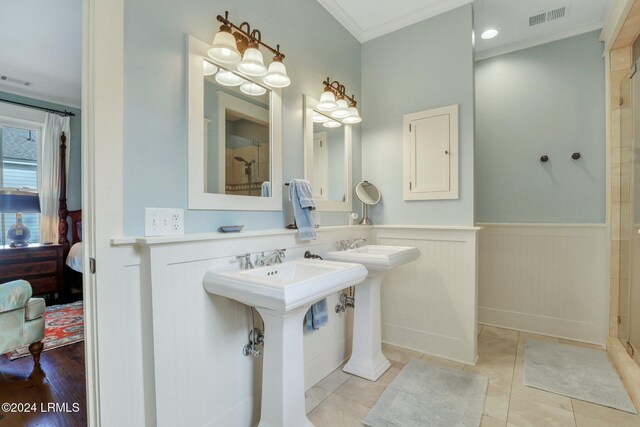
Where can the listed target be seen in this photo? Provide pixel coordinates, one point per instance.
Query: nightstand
(40, 265)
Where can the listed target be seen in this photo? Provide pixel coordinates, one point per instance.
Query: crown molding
(524, 44)
(362, 35)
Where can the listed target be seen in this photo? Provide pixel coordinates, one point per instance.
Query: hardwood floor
(63, 384)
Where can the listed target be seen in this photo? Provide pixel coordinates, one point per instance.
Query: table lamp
(19, 201)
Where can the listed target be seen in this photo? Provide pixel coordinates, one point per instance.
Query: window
(19, 169)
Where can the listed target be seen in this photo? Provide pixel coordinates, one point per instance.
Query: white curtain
(54, 125)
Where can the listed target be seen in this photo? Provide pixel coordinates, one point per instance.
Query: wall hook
(544, 158)
(576, 156)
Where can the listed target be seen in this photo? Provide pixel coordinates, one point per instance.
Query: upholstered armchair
(21, 319)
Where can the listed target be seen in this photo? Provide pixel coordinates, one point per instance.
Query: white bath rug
(580, 373)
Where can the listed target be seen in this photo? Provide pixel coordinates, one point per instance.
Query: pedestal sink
(283, 293)
(367, 360)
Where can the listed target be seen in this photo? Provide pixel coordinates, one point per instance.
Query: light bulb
(252, 63)
(320, 118)
(208, 68)
(227, 78)
(277, 74)
(342, 111)
(332, 124)
(224, 48)
(327, 101)
(489, 34)
(353, 116)
(250, 88)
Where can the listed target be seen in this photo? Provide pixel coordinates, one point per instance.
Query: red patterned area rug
(64, 325)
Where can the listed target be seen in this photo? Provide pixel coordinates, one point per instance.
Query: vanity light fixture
(332, 124)
(334, 100)
(253, 89)
(228, 78)
(320, 118)
(208, 68)
(244, 43)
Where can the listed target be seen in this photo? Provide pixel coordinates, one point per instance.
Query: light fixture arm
(339, 90)
(254, 36)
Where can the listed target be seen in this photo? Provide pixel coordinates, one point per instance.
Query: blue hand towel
(301, 197)
(317, 316)
(265, 190)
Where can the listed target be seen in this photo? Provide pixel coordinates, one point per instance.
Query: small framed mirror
(235, 137)
(327, 155)
(369, 195)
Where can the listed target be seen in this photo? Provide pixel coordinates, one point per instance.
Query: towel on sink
(301, 197)
(317, 316)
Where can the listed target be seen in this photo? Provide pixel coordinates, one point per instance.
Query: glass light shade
(353, 116)
(320, 118)
(332, 124)
(252, 63)
(224, 48)
(277, 75)
(227, 78)
(209, 68)
(489, 34)
(250, 88)
(342, 111)
(327, 101)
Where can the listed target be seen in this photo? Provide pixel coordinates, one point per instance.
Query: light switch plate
(163, 221)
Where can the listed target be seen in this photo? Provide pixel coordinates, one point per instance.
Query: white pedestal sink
(367, 360)
(283, 293)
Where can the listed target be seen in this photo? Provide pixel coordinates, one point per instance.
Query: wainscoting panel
(429, 305)
(548, 279)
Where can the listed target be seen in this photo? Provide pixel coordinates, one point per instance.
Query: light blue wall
(74, 178)
(155, 136)
(424, 66)
(548, 99)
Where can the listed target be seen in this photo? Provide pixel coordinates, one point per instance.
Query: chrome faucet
(356, 243)
(275, 257)
(245, 261)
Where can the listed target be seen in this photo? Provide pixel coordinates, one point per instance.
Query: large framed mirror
(327, 159)
(234, 136)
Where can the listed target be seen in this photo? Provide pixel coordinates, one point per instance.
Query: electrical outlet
(163, 221)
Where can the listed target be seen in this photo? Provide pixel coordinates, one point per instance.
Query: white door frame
(102, 188)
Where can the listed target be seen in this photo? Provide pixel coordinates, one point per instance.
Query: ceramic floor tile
(390, 375)
(590, 415)
(497, 340)
(336, 411)
(526, 413)
(400, 355)
(497, 367)
(334, 380)
(491, 422)
(362, 391)
(442, 362)
(496, 404)
(313, 397)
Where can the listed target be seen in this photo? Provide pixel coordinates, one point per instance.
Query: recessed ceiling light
(489, 34)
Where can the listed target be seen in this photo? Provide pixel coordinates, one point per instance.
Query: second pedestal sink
(367, 360)
(283, 293)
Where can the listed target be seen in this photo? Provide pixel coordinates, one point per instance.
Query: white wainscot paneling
(199, 374)
(548, 279)
(429, 305)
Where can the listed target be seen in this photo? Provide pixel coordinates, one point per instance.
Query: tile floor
(343, 400)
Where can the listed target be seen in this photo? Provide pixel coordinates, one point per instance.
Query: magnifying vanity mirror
(327, 153)
(369, 195)
(235, 137)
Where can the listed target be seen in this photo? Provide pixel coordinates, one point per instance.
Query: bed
(72, 277)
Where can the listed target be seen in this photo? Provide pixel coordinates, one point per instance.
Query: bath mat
(64, 325)
(581, 373)
(424, 394)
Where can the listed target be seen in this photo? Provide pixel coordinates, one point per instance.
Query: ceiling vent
(548, 15)
(18, 82)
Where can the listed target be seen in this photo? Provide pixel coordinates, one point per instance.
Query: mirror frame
(198, 198)
(327, 205)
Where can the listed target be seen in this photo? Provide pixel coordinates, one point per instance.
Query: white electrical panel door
(430, 154)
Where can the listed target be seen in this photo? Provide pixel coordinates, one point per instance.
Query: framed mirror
(327, 159)
(234, 137)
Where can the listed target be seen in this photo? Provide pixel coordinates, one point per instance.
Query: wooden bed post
(63, 227)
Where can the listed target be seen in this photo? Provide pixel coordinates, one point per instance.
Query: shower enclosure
(625, 176)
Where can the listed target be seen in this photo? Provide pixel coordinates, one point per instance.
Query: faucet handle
(245, 261)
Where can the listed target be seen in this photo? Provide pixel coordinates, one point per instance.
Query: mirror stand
(365, 215)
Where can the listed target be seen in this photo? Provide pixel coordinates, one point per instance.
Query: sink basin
(286, 286)
(367, 360)
(377, 257)
(282, 294)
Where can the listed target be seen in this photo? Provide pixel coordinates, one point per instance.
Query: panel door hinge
(409, 127)
(92, 265)
(320, 143)
(619, 320)
(409, 185)
(621, 101)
